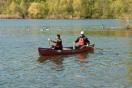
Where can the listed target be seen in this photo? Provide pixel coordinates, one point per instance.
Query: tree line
(66, 8)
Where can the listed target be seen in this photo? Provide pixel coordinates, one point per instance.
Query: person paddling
(57, 43)
(82, 41)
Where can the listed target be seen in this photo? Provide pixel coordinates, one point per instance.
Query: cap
(82, 32)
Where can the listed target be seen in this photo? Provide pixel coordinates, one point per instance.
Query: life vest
(81, 41)
(58, 44)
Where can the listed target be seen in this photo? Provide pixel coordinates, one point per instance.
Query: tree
(67, 8)
(77, 8)
(86, 8)
(37, 10)
(14, 8)
(117, 8)
(107, 9)
(23, 7)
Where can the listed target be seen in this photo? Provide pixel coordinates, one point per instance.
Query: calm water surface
(110, 66)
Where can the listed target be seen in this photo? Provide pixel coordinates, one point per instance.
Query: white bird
(42, 30)
(46, 29)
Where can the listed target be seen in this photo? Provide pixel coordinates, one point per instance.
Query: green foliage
(76, 8)
(23, 8)
(37, 10)
(67, 8)
(13, 8)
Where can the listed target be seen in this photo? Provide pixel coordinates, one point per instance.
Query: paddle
(49, 41)
(74, 45)
(98, 48)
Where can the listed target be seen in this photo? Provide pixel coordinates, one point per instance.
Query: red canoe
(65, 51)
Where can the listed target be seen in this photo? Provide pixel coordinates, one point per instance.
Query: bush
(13, 8)
(37, 10)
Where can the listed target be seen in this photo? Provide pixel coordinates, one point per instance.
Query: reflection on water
(82, 60)
(129, 67)
(81, 57)
(57, 61)
(129, 64)
(113, 33)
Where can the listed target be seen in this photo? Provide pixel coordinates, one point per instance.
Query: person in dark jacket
(81, 41)
(57, 43)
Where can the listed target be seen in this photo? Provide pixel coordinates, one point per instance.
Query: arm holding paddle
(53, 41)
(49, 42)
(57, 43)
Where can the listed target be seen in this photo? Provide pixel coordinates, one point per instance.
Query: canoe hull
(52, 52)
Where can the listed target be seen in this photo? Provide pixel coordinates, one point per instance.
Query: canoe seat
(67, 48)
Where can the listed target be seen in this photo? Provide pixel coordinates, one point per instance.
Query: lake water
(110, 66)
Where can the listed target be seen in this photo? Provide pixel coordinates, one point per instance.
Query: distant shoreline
(3, 16)
(10, 17)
